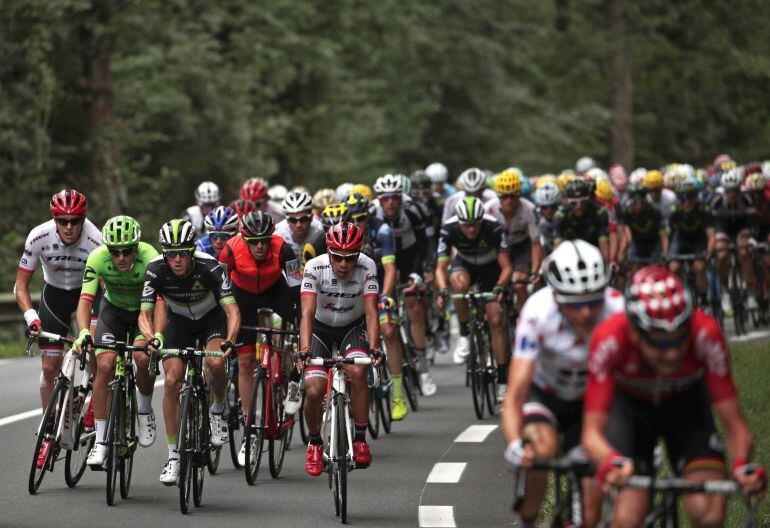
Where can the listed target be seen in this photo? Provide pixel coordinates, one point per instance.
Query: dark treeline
(135, 102)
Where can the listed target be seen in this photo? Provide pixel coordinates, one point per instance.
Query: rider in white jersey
(300, 225)
(549, 369)
(207, 197)
(473, 182)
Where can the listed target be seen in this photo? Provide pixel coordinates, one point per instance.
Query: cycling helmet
(277, 193)
(563, 179)
(389, 184)
(121, 231)
(68, 202)
(508, 182)
(547, 194)
(243, 207)
(342, 190)
(766, 170)
(472, 180)
(755, 182)
(357, 205)
(257, 224)
(420, 180)
(584, 164)
(334, 214)
(653, 180)
(701, 179)
(407, 184)
(578, 188)
(470, 209)
(687, 187)
(671, 176)
(323, 197)
(437, 172)
(362, 188)
(221, 220)
(724, 162)
(596, 174)
(732, 179)
(637, 176)
(636, 192)
(345, 235)
(254, 189)
(526, 187)
(544, 179)
(604, 190)
(656, 300)
(207, 193)
(576, 272)
(300, 188)
(297, 202)
(177, 234)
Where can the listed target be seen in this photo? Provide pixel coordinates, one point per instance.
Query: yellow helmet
(334, 214)
(563, 179)
(363, 189)
(508, 182)
(545, 179)
(653, 180)
(604, 190)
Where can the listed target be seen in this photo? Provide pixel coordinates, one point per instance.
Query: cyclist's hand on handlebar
(228, 347)
(34, 326)
(751, 477)
(376, 355)
(499, 292)
(614, 471)
(302, 357)
(415, 280)
(534, 277)
(84, 341)
(388, 303)
(441, 298)
(518, 454)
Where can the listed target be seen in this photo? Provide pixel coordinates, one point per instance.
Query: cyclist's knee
(387, 331)
(544, 438)
(459, 282)
(105, 362)
(705, 510)
(314, 389)
(49, 372)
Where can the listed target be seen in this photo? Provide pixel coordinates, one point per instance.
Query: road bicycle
(62, 426)
(380, 386)
(234, 411)
(410, 370)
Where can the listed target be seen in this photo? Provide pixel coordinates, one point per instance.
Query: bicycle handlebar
(269, 330)
(480, 296)
(644, 482)
(121, 345)
(191, 351)
(338, 361)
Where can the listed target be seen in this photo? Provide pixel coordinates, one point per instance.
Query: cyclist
(221, 224)
(481, 257)
(262, 268)
(207, 197)
(380, 246)
(760, 193)
(584, 164)
(582, 219)
(735, 215)
(519, 220)
(196, 291)
(322, 199)
(243, 207)
(119, 266)
(550, 365)
(413, 250)
(658, 370)
(256, 190)
(339, 307)
(644, 229)
(547, 198)
(473, 182)
(439, 177)
(61, 245)
(300, 225)
(692, 232)
(662, 198)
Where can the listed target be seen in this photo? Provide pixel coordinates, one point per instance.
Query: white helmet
(637, 176)
(297, 202)
(389, 184)
(766, 170)
(342, 190)
(733, 178)
(584, 164)
(576, 272)
(437, 172)
(207, 193)
(547, 194)
(472, 180)
(597, 174)
(277, 192)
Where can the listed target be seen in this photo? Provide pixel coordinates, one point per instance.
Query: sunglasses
(390, 197)
(116, 252)
(577, 201)
(336, 257)
(548, 207)
(173, 253)
(596, 303)
(665, 344)
(472, 223)
(507, 196)
(255, 241)
(299, 219)
(220, 236)
(69, 221)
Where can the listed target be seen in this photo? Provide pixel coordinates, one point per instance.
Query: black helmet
(257, 224)
(577, 188)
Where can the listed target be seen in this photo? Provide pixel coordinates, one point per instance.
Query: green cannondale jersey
(122, 289)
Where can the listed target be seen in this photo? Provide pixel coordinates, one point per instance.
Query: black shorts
(115, 324)
(647, 250)
(351, 340)
(280, 298)
(183, 332)
(485, 275)
(565, 416)
(682, 246)
(56, 309)
(683, 421)
(405, 263)
(521, 256)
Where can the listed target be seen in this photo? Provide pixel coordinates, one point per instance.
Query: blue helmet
(222, 220)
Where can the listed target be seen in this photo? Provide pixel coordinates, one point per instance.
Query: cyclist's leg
(460, 282)
(545, 441)
(744, 258)
(355, 344)
(56, 308)
(316, 379)
(173, 371)
(521, 261)
(214, 333)
(723, 256)
(246, 349)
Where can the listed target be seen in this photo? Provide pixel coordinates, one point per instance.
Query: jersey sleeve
(499, 237)
(91, 277)
(309, 280)
(387, 244)
(527, 343)
(31, 254)
(150, 291)
(371, 286)
(603, 354)
(219, 282)
(711, 350)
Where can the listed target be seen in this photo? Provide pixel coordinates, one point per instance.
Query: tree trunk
(562, 15)
(621, 133)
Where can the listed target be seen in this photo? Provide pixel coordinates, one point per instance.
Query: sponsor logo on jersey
(39, 237)
(338, 309)
(340, 295)
(197, 286)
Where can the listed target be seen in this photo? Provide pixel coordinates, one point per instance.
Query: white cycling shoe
(242, 455)
(146, 429)
(293, 398)
(97, 456)
(751, 302)
(462, 350)
(170, 473)
(502, 388)
(218, 427)
(427, 385)
(727, 305)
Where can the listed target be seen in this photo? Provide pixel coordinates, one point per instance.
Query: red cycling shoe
(43, 454)
(361, 454)
(314, 461)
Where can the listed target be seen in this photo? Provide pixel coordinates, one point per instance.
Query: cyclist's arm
(537, 255)
(309, 302)
(442, 279)
(147, 307)
(740, 439)
(506, 270)
(83, 313)
(160, 316)
(593, 438)
(372, 321)
(88, 292)
(625, 239)
(712, 241)
(519, 381)
(389, 280)
(604, 247)
(146, 320)
(21, 289)
(233, 314)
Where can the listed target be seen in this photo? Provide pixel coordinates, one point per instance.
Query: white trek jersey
(340, 302)
(451, 201)
(63, 266)
(561, 357)
(522, 227)
(283, 230)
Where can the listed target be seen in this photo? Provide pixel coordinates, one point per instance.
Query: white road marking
(475, 433)
(751, 336)
(437, 517)
(21, 416)
(446, 473)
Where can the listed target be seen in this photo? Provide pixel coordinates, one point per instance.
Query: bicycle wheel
(201, 448)
(215, 452)
(490, 378)
(302, 427)
(374, 414)
(113, 438)
(255, 427)
(75, 461)
(475, 360)
(383, 408)
(186, 440)
(278, 444)
(46, 434)
(341, 465)
(411, 385)
(131, 441)
(234, 415)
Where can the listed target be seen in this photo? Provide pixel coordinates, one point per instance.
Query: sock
(423, 360)
(145, 403)
(398, 385)
(520, 522)
(101, 430)
(217, 407)
(502, 372)
(315, 437)
(171, 444)
(360, 435)
(464, 329)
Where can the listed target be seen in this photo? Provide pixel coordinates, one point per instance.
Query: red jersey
(615, 361)
(249, 274)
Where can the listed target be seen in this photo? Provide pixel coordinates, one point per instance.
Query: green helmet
(470, 209)
(177, 234)
(121, 231)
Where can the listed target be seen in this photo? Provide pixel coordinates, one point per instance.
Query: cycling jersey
(121, 288)
(483, 249)
(522, 227)
(547, 233)
(592, 226)
(731, 219)
(615, 363)
(646, 226)
(690, 230)
(204, 244)
(283, 230)
(543, 335)
(257, 277)
(666, 203)
(410, 231)
(313, 248)
(487, 195)
(340, 302)
(195, 216)
(191, 296)
(63, 265)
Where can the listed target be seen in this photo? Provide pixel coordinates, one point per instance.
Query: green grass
(12, 348)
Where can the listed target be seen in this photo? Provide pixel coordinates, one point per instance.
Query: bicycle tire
(383, 408)
(302, 426)
(277, 445)
(341, 467)
(201, 448)
(75, 460)
(112, 439)
(131, 439)
(234, 421)
(373, 423)
(477, 382)
(255, 428)
(411, 384)
(215, 452)
(185, 441)
(55, 402)
(490, 381)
